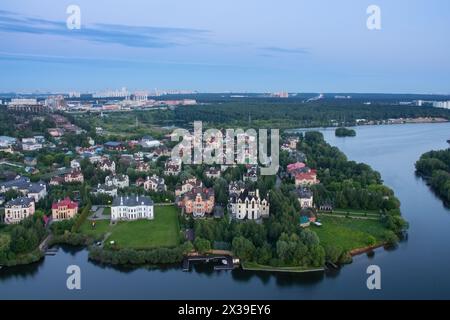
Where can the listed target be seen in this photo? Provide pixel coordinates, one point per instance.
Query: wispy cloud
(285, 50)
(130, 36)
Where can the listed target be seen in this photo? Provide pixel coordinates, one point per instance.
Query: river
(416, 269)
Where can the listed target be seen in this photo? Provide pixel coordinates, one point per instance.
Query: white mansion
(132, 208)
(248, 205)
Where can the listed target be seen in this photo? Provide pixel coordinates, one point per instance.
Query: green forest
(434, 166)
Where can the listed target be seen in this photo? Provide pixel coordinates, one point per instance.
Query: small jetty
(331, 265)
(51, 252)
(225, 262)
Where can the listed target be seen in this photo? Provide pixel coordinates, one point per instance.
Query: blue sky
(211, 46)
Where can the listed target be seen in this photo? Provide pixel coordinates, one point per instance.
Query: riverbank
(251, 266)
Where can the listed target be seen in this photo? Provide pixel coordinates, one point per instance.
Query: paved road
(98, 214)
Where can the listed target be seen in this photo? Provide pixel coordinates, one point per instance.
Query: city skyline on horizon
(253, 47)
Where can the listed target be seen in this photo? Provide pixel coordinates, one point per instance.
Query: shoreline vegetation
(434, 168)
(345, 132)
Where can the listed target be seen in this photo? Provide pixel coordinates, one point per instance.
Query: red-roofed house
(306, 178)
(64, 209)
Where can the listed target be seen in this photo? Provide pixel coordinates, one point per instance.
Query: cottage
(213, 173)
(18, 209)
(155, 183)
(296, 168)
(35, 190)
(305, 197)
(121, 181)
(142, 166)
(306, 178)
(74, 176)
(132, 208)
(198, 202)
(64, 209)
(172, 168)
(248, 204)
(114, 146)
(251, 175)
(107, 165)
(236, 187)
(103, 189)
(187, 186)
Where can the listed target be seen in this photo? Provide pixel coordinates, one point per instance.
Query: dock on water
(226, 262)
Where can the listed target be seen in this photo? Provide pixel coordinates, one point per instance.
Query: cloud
(285, 50)
(129, 36)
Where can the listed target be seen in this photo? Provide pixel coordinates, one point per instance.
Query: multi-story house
(187, 185)
(35, 190)
(236, 187)
(296, 168)
(212, 173)
(249, 205)
(155, 183)
(132, 208)
(104, 189)
(74, 176)
(121, 181)
(172, 168)
(252, 174)
(305, 197)
(107, 165)
(18, 209)
(198, 202)
(306, 178)
(142, 166)
(64, 209)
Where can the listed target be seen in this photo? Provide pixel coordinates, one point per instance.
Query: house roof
(304, 193)
(132, 201)
(65, 203)
(22, 201)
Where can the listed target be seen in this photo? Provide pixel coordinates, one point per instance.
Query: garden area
(162, 231)
(348, 233)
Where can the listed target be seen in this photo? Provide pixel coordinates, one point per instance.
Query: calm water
(416, 269)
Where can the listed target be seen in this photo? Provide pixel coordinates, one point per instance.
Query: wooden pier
(228, 265)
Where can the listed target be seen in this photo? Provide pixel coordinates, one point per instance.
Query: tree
(202, 245)
(243, 248)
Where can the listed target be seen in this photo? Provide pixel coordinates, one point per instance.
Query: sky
(226, 45)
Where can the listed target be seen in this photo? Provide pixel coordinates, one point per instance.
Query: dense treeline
(435, 167)
(345, 132)
(256, 113)
(293, 113)
(139, 257)
(19, 243)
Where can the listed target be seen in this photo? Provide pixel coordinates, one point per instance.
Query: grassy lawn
(162, 231)
(107, 211)
(348, 233)
(101, 228)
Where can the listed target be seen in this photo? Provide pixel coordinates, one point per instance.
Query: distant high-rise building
(442, 104)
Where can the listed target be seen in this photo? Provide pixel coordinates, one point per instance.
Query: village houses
(18, 209)
(64, 209)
